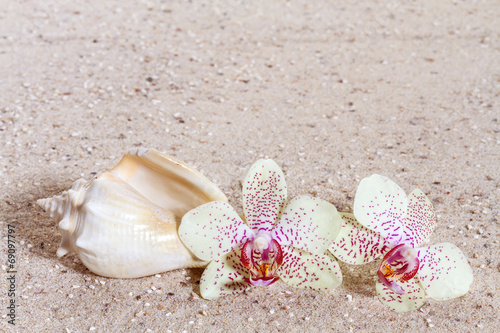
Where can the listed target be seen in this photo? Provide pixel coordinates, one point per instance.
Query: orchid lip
(262, 282)
(262, 256)
(399, 264)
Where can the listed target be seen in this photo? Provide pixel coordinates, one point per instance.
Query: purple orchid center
(399, 264)
(262, 256)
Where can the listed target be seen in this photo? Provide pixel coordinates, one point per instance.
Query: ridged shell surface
(124, 223)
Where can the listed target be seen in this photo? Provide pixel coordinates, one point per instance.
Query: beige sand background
(333, 91)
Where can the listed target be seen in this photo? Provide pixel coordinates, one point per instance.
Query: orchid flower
(278, 241)
(387, 222)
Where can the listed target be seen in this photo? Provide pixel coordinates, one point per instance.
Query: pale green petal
(305, 270)
(420, 217)
(412, 300)
(444, 271)
(381, 205)
(212, 230)
(357, 244)
(309, 224)
(264, 195)
(223, 277)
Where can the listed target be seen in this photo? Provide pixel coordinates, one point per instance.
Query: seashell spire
(60, 208)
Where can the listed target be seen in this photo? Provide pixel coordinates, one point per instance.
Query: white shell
(124, 223)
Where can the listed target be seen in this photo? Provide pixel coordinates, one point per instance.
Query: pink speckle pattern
(444, 271)
(413, 298)
(223, 277)
(264, 195)
(307, 223)
(213, 229)
(357, 244)
(305, 270)
(381, 205)
(420, 218)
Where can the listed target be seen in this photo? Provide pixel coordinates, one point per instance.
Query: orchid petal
(309, 224)
(212, 230)
(357, 244)
(412, 299)
(420, 217)
(381, 205)
(444, 271)
(264, 195)
(223, 277)
(302, 269)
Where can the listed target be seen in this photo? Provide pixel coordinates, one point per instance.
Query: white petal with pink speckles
(212, 230)
(381, 205)
(412, 300)
(357, 244)
(223, 277)
(309, 224)
(264, 195)
(305, 270)
(444, 271)
(420, 217)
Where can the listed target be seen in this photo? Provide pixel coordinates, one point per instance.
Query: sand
(332, 91)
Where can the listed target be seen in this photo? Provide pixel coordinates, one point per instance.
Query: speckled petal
(420, 217)
(413, 299)
(444, 271)
(309, 224)
(381, 205)
(305, 270)
(264, 195)
(212, 230)
(223, 277)
(357, 244)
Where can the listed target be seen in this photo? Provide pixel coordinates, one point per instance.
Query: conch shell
(124, 223)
